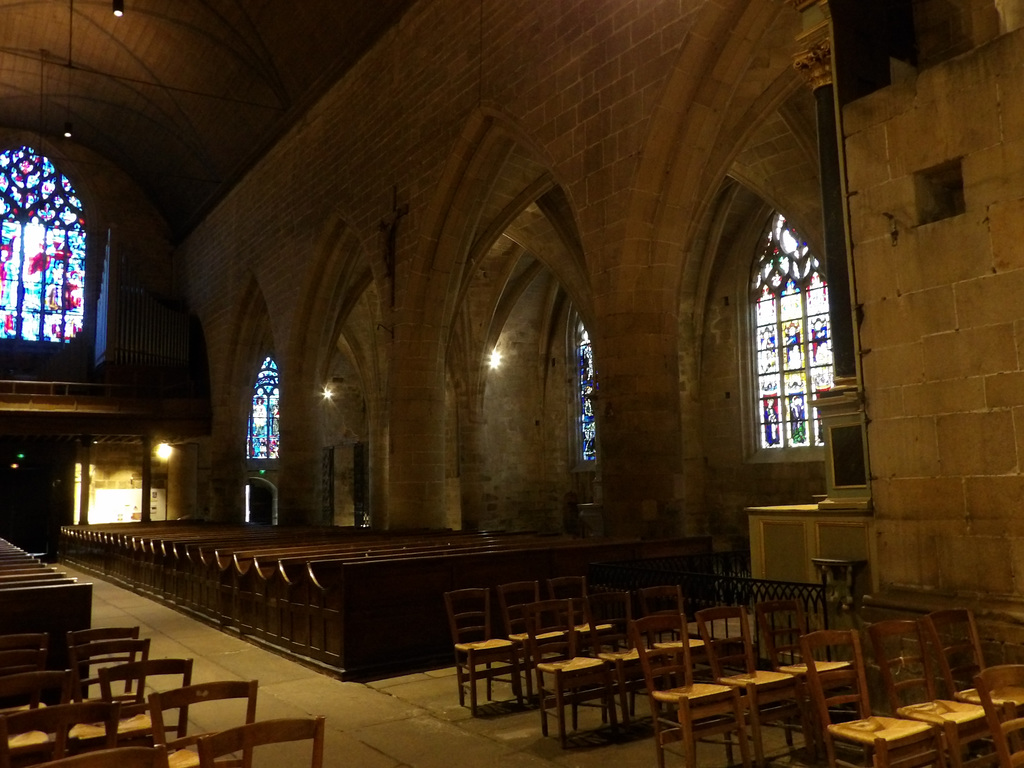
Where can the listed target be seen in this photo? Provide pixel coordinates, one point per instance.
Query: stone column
(147, 479)
(181, 482)
(842, 409)
(816, 64)
(85, 460)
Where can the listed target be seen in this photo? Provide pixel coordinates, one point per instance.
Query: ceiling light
(67, 129)
(164, 451)
(119, 8)
(495, 359)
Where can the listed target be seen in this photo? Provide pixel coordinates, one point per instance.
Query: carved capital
(815, 64)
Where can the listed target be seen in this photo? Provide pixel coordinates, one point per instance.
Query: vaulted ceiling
(183, 95)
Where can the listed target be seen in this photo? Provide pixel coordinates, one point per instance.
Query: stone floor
(413, 720)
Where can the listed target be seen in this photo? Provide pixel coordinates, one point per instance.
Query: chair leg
(560, 706)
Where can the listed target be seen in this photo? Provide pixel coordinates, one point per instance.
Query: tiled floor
(413, 720)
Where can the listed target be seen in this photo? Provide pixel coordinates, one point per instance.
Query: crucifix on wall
(389, 226)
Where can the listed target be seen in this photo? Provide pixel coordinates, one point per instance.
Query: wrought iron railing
(721, 578)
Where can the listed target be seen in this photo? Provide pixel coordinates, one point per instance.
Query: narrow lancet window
(42, 250)
(264, 417)
(586, 392)
(792, 341)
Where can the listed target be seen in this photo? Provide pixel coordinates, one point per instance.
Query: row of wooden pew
(38, 597)
(343, 598)
(117, 706)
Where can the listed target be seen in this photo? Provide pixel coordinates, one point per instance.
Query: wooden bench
(358, 602)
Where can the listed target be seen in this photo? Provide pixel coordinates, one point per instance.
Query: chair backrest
(1006, 730)
(15, 660)
(91, 635)
(725, 631)
(173, 733)
(86, 659)
(118, 757)
(469, 614)
(37, 735)
(550, 630)
(663, 598)
(511, 599)
(903, 660)
(30, 640)
(245, 738)
(954, 636)
(30, 689)
(836, 690)
(127, 682)
(608, 614)
(666, 667)
(781, 623)
(561, 587)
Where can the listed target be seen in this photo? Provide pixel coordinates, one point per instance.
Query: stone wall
(935, 171)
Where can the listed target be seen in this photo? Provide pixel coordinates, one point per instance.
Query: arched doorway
(260, 502)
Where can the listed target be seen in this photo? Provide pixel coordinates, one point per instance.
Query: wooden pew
(358, 602)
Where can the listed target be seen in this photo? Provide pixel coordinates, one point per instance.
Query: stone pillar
(147, 479)
(416, 431)
(638, 424)
(181, 482)
(816, 64)
(85, 460)
(842, 409)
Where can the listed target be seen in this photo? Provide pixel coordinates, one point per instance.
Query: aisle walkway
(412, 721)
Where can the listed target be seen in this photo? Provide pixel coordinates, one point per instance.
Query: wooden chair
(478, 654)
(127, 684)
(682, 710)
(92, 634)
(174, 733)
(511, 599)
(609, 615)
(245, 738)
(30, 690)
(782, 623)
(33, 736)
(903, 659)
(118, 757)
(25, 640)
(996, 686)
(16, 660)
(770, 696)
(563, 676)
(954, 637)
(663, 598)
(840, 696)
(86, 659)
(561, 587)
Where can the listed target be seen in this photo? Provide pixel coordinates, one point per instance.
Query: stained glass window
(42, 250)
(586, 390)
(792, 339)
(264, 418)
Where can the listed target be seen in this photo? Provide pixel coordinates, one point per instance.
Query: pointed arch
(495, 175)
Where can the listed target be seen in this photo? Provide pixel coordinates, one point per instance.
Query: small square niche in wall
(939, 192)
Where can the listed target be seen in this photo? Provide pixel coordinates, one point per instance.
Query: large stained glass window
(792, 339)
(586, 390)
(42, 250)
(264, 418)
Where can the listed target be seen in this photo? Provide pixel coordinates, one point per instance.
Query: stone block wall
(936, 183)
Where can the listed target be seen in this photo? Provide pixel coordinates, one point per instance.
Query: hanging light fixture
(67, 129)
(119, 8)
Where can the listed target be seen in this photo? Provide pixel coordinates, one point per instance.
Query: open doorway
(260, 502)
